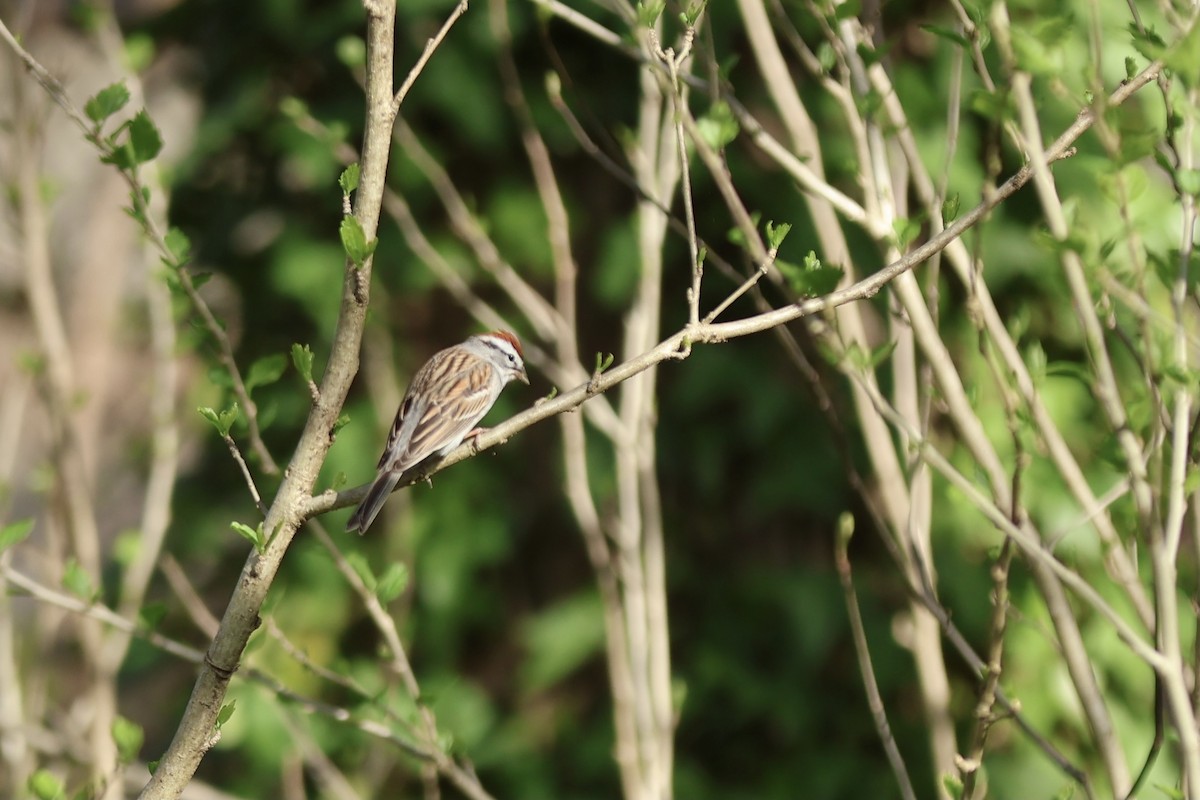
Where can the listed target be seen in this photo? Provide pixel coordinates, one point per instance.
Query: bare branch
(426, 54)
(863, 653)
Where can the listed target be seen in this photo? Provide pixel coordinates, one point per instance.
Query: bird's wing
(448, 396)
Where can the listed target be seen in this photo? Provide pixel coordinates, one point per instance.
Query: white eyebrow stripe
(503, 346)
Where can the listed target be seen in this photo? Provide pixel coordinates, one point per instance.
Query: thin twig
(430, 46)
(862, 651)
(763, 268)
(678, 95)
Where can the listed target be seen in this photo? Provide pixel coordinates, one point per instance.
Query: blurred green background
(502, 612)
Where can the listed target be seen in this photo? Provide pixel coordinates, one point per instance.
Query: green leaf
(217, 376)
(648, 13)
(293, 107)
(302, 359)
(139, 51)
(907, 230)
(253, 535)
(561, 639)
(106, 102)
(354, 241)
(857, 356)
(1035, 359)
(144, 138)
(348, 180)
(952, 784)
(342, 421)
(180, 247)
(1182, 377)
(358, 562)
(736, 236)
(811, 280)
(1189, 181)
(119, 155)
(869, 104)
(1167, 268)
(352, 52)
(1070, 369)
(882, 353)
(152, 766)
(128, 736)
(1191, 481)
(1184, 58)
(76, 580)
(1106, 249)
(777, 233)
(1147, 42)
(992, 106)
(151, 614)
(45, 785)
(950, 207)
(948, 34)
(14, 533)
(225, 713)
(126, 547)
(827, 56)
(679, 693)
(1131, 68)
(718, 127)
(222, 421)
(847, 10)
(265, 371)
(392, 582)
(228, 417)
(31, 363)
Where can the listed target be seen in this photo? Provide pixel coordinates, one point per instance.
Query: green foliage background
(501, 610)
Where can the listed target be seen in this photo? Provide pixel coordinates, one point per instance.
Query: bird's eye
(512, 359)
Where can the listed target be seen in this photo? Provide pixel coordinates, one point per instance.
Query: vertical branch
(911, 394)
(196, 732)
(14, 745)
(679, 95)
(890, 481)
(640, 325)
(620, 672)
(59, 389)
(1164, 547)
(641, 562)
(1106, 385)
(1118, 560)
(985, 705)
(863, 653)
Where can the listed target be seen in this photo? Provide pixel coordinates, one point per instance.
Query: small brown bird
(448, 397)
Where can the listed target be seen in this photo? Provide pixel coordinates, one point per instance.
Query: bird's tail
(377, 495)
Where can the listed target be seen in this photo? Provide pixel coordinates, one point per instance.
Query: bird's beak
(523, 377)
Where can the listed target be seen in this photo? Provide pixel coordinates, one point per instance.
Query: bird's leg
(473, 438)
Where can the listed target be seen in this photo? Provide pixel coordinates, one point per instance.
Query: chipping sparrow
(445, 400)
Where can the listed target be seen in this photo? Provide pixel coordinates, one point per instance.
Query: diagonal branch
(709, 333)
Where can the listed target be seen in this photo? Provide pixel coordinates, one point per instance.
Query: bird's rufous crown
(511, 338)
